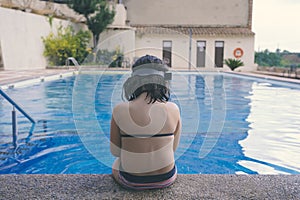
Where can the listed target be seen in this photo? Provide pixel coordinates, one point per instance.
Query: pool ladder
(14, 116)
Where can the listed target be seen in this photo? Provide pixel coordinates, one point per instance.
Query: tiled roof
(196, 30)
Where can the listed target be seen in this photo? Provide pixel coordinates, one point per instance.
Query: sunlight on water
(231, 125)
(274, 134)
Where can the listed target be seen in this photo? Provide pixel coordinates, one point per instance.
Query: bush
(233, 63)
(107, 57)
(66, 44)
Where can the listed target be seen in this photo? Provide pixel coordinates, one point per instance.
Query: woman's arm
(115, 139)
(176, 113)
(177, 134)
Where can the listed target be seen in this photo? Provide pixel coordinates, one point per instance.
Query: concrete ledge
(186, 187)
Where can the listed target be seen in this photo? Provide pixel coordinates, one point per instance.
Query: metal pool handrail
(15, 105)
(73, 60)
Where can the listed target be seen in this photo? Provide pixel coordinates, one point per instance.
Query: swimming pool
(231, 124)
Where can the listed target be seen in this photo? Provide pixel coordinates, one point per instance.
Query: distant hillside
(293, 58)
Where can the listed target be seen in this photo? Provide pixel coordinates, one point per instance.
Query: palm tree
(233, 63)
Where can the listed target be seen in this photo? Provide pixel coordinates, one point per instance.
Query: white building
(186, 34)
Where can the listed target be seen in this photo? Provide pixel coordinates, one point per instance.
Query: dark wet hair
(153, 84)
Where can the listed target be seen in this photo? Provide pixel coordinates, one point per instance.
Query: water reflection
(260, 133)
(223, 110)
(274, 134)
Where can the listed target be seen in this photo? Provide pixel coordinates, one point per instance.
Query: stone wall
(43, 8)
(21, 38)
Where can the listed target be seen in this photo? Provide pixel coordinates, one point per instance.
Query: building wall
(153, 44)
(120, 16)
(119, 39)
(230, 44)
(217, 13)
(207, 12)
(21, 38)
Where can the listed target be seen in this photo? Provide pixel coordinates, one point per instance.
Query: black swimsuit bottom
(150, 178)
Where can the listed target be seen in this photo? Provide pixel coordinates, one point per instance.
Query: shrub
(233, 63)
(66, 44)
(105, 57)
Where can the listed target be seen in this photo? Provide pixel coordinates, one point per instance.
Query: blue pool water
(231, 125)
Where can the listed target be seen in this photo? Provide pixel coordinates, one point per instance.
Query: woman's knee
(115, 169)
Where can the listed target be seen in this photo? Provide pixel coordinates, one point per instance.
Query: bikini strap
(145, 136)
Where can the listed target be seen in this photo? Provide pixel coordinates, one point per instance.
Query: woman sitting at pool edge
(145, 131)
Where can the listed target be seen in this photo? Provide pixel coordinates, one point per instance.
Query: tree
(267, 58)
(97, 14)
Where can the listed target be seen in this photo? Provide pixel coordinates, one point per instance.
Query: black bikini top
(146, 136)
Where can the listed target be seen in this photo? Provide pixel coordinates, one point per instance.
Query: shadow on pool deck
(185, 187)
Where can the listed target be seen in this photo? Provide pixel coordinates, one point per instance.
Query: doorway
(219, 53)
(201, 51)
(167, 52)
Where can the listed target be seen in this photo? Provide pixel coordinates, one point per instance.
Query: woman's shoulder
(172, 106)
(173, 109)
(120, 106)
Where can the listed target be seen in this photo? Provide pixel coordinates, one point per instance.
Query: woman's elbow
(115, 151)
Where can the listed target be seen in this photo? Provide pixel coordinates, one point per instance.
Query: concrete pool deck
(186, 187)
(11, 76)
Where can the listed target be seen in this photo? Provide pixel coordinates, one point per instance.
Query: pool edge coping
(38, 79)
(214, 186)
(54, 76)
